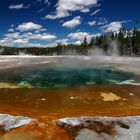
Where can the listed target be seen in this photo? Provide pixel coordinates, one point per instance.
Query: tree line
(125, 42)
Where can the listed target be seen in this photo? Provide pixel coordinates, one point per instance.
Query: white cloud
(95, 12)
(46, 1)
(72, 23)
(62, 41)
(12, 35)
(64, 7)
(92, 23)
(28, 26)
(85, 10)
(81, 35)
(43, 36)
(78, 35)
(20, 39)
(18, 6)
(12, 25)
(23, 41)
(40, 30)
(113, 26)
(6, 40)
(12, 39)
(78, 42)
(11, 30)
(37, 35)
(102, 21)
(41, 10)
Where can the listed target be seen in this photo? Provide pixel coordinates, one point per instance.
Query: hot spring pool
(51, 88)
(61, 72)
(57, 77)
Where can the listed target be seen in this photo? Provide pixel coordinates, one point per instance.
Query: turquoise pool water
(57, 77)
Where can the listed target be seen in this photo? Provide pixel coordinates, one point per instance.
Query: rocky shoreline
(102, 128)
(9, 122)
(84, 128)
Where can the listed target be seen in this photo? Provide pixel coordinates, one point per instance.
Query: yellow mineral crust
(9, 85)
(110, 97)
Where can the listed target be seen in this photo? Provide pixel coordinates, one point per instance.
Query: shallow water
(72, 101)
(49, 89)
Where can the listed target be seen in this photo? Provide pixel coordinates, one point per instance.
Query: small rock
(72, 98)
(102, 128)
(43, 99)
(131, 94)
(8, 122)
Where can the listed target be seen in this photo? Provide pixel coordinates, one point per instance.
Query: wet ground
(72, 101)
(47, 105)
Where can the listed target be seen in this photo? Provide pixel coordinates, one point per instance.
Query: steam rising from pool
(70, 71)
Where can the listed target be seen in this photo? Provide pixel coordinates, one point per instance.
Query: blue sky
(48, 22)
